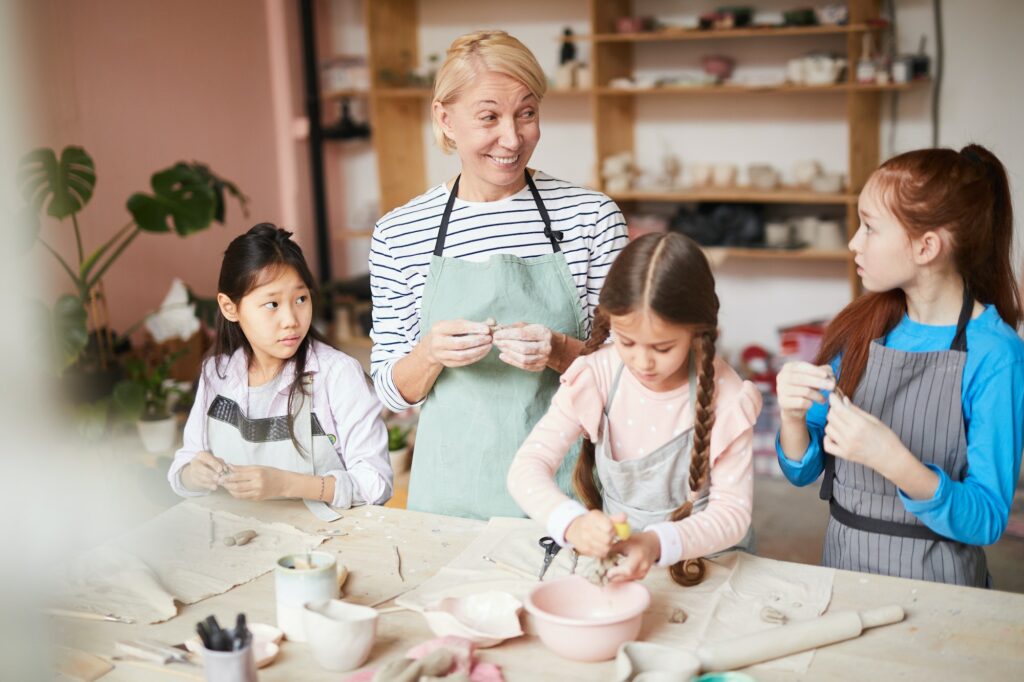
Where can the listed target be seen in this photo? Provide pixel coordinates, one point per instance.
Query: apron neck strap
(691, 372)
(960, 339)
(442, 232)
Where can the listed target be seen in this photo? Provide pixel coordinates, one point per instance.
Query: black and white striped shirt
(403, 242)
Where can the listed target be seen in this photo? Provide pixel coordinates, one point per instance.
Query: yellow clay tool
(623, 530)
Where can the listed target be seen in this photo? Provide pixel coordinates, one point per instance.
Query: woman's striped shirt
(593, 228)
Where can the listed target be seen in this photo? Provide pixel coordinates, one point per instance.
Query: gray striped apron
(918, 396)
(649, 488)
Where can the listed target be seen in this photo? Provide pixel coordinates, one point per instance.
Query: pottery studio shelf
(740, 195)
(719, 254)
(670, 35)
(398, 114)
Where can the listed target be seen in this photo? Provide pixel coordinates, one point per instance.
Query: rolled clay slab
(793, 638)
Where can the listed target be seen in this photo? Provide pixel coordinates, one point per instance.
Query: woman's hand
(799, 385)
(457, 343)
(204, 472)
(593, 534)
(640, 552)
(526, 346)
(257, 482)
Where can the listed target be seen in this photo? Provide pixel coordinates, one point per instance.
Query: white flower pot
(400, 460)
(158, 436)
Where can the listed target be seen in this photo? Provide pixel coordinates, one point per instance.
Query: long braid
(691, 571)
(583, 473)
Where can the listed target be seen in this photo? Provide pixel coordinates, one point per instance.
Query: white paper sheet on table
(140, 575)
(726, 605)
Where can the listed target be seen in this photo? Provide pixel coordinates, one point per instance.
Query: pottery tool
(397, 563)
(85, 615)
(509, 567)
(794, 638)
(551, 550)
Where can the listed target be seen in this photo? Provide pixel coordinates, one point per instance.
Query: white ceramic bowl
(485, 619)
(340, 634)
(583, 622)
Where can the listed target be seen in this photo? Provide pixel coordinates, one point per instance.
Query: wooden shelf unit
(397, 114)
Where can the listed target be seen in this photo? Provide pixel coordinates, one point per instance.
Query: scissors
(551, 550)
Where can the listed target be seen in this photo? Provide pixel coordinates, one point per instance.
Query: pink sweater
(641, 421)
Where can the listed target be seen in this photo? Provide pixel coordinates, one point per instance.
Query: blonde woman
(484, 287)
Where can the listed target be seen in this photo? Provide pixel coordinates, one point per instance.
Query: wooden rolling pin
(793, 638)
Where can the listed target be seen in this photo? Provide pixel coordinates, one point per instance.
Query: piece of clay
(677, 616)
(342, 576)
(773, 615)
(244, 537)
(229, 541)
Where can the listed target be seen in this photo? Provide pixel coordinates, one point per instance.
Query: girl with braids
(920, 438)
(668, 426)
(279, 412)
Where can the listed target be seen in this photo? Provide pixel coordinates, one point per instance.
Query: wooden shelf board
(757, 89)
(712, 34)
(331, 95)
(719, 253)
(403, 92)
(342, 235)
(739, 195)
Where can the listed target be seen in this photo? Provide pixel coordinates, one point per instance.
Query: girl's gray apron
(649, 488)
(238, 440)
(918, 396)
(475, 417)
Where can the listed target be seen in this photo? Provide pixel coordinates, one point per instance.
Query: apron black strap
(966, 308)
(865, 523)
(442, 231)
(554, 236)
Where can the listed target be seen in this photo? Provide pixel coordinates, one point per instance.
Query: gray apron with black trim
(648, 489)
(238, 440)
(918, 396)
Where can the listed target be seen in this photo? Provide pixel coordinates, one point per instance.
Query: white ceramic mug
(829, 235)
(778, 235)
(723, 175)
(294, 587)
(340, 634)
(230, 666)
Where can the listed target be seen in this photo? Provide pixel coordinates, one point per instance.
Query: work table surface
(950, 633)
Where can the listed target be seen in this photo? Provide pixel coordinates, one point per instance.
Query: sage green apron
(475, 417)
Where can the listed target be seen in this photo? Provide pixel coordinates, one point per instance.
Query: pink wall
(142, 84)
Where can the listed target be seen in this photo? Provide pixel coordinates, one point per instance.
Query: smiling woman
(502, 242)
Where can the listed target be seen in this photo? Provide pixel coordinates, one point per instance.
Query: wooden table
(950, 633)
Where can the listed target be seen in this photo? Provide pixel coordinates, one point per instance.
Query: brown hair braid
(669, 275)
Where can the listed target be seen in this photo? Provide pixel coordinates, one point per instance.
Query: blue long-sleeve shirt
(975, 510)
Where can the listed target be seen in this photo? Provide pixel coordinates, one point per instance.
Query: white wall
(981, 95)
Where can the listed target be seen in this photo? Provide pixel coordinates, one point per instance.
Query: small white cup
(340, 634)
(294, 587)
(230, 666)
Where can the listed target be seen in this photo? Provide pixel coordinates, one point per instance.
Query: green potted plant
(398, 448)
(145, 396)
(186, 198)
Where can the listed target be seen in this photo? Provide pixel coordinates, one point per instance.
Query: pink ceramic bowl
(583, 622)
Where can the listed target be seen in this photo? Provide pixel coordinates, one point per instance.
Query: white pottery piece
(647, 662)
(340, 634)
(486, 619)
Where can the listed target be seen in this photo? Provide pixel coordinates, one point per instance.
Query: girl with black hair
(278, 411)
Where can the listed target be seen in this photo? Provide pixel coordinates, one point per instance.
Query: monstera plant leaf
(71, 332)
(182, 195)
(220, 186)
(64, 186)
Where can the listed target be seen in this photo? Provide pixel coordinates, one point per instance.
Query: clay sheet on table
(726, 605)
(174, 558)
